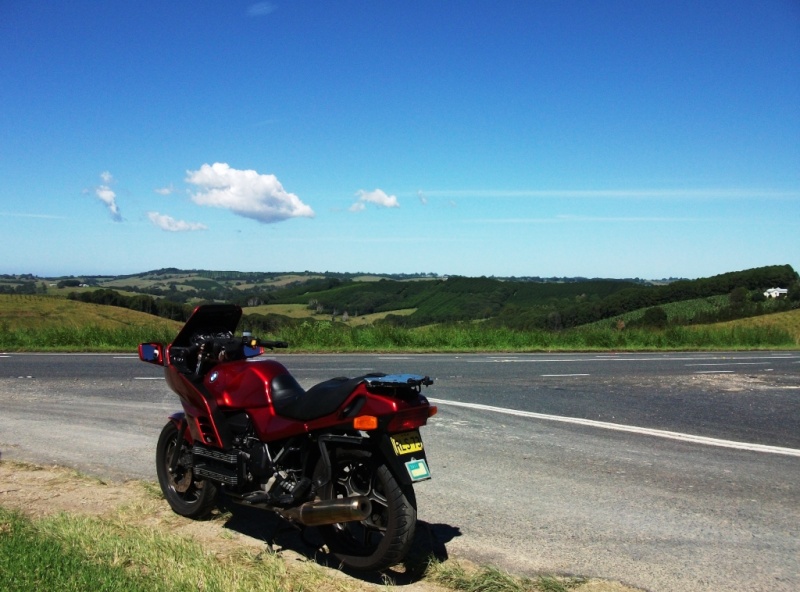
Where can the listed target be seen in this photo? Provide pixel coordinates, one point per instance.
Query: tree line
(507, 304)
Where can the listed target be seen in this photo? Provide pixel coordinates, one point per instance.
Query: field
(40, 323)
(301, 311)
(676, 311)
(37, 323)
(39, 312)
(788, 321)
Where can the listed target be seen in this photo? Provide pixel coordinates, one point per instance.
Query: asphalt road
(664, 471)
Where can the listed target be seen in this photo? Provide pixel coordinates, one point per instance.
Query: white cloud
(105, 194)
(170, 224)
(165, 190)
(246, 193)
(422, 199)
(377, 197)
(357, 207)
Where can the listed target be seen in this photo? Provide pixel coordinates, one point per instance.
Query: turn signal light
(433, 410)
(365, 422)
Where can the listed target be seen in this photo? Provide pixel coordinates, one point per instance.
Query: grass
(91, 338)
(30, 560)
(137, 544)
(37, 312)
(72, 552)
(38, 323)
(456, 576)
(475, 337)
(42, 323)
(788, 321)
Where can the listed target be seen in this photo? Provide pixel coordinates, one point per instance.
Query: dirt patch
(731, 382)
(41, 491)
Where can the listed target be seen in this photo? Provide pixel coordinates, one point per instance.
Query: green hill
(278, 299)
(788, 321)
(38, 312)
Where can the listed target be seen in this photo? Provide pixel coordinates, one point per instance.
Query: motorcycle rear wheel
(383, 539)
(186, 495)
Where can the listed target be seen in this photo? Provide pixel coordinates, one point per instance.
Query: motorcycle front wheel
(383, 539)
(185, 495)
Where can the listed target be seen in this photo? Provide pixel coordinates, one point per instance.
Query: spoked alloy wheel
(383, 539)
(185, 495)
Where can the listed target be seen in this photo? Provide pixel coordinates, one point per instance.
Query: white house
(776, 292)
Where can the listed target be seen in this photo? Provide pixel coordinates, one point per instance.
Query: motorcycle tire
(383, 539)
(186, 496)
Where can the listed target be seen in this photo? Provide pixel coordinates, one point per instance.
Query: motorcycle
(342, 456)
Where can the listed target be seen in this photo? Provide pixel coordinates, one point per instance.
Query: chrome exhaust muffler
(323, 512)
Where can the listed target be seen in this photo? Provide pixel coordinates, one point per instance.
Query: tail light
(408, 419)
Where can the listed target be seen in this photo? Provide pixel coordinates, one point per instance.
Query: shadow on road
(430, 541)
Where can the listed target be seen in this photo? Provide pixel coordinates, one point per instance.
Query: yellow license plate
(406, 443)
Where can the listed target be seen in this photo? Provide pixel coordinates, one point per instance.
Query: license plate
(418, 470)
(406, 443)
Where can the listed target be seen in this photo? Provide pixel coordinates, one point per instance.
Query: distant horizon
(381, 274)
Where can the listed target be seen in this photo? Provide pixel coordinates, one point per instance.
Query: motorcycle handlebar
(268, 344)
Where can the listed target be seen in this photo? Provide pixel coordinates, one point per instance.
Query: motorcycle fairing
(206, 422)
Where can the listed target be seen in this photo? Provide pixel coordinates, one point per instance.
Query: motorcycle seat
(290, 399)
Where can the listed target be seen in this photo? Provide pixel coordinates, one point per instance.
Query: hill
(39, 312)
(274, 300)
(788, 321)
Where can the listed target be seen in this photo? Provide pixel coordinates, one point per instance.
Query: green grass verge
(467, 337)
(68, 552)
(90, 338)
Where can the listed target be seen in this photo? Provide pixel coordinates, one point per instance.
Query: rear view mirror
(152, 352)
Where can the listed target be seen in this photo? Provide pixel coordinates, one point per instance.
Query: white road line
(623, 358)
(625, 428)
(731, 364)
(561, 375)
(149, 378)
(714, 372)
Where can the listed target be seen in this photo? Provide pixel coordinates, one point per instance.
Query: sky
(595, 138)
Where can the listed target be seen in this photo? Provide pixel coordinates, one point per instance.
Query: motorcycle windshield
(209, 318)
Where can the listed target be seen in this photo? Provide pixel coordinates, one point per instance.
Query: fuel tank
(243, 384)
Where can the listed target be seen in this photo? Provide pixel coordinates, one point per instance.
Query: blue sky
(642, 138)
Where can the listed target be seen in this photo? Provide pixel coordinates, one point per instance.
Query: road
(663, 471)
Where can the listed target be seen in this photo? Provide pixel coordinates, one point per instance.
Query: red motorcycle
(341, 456)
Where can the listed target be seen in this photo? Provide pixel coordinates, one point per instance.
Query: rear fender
(408, 468)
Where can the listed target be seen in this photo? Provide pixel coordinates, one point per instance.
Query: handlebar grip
(269, 344)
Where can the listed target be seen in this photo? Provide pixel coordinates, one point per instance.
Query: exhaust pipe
(323, 512)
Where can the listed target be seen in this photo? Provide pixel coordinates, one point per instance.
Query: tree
(655, 317)
(738, 297)
(794, 292)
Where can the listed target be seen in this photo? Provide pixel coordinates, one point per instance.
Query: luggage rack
(397, 382)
